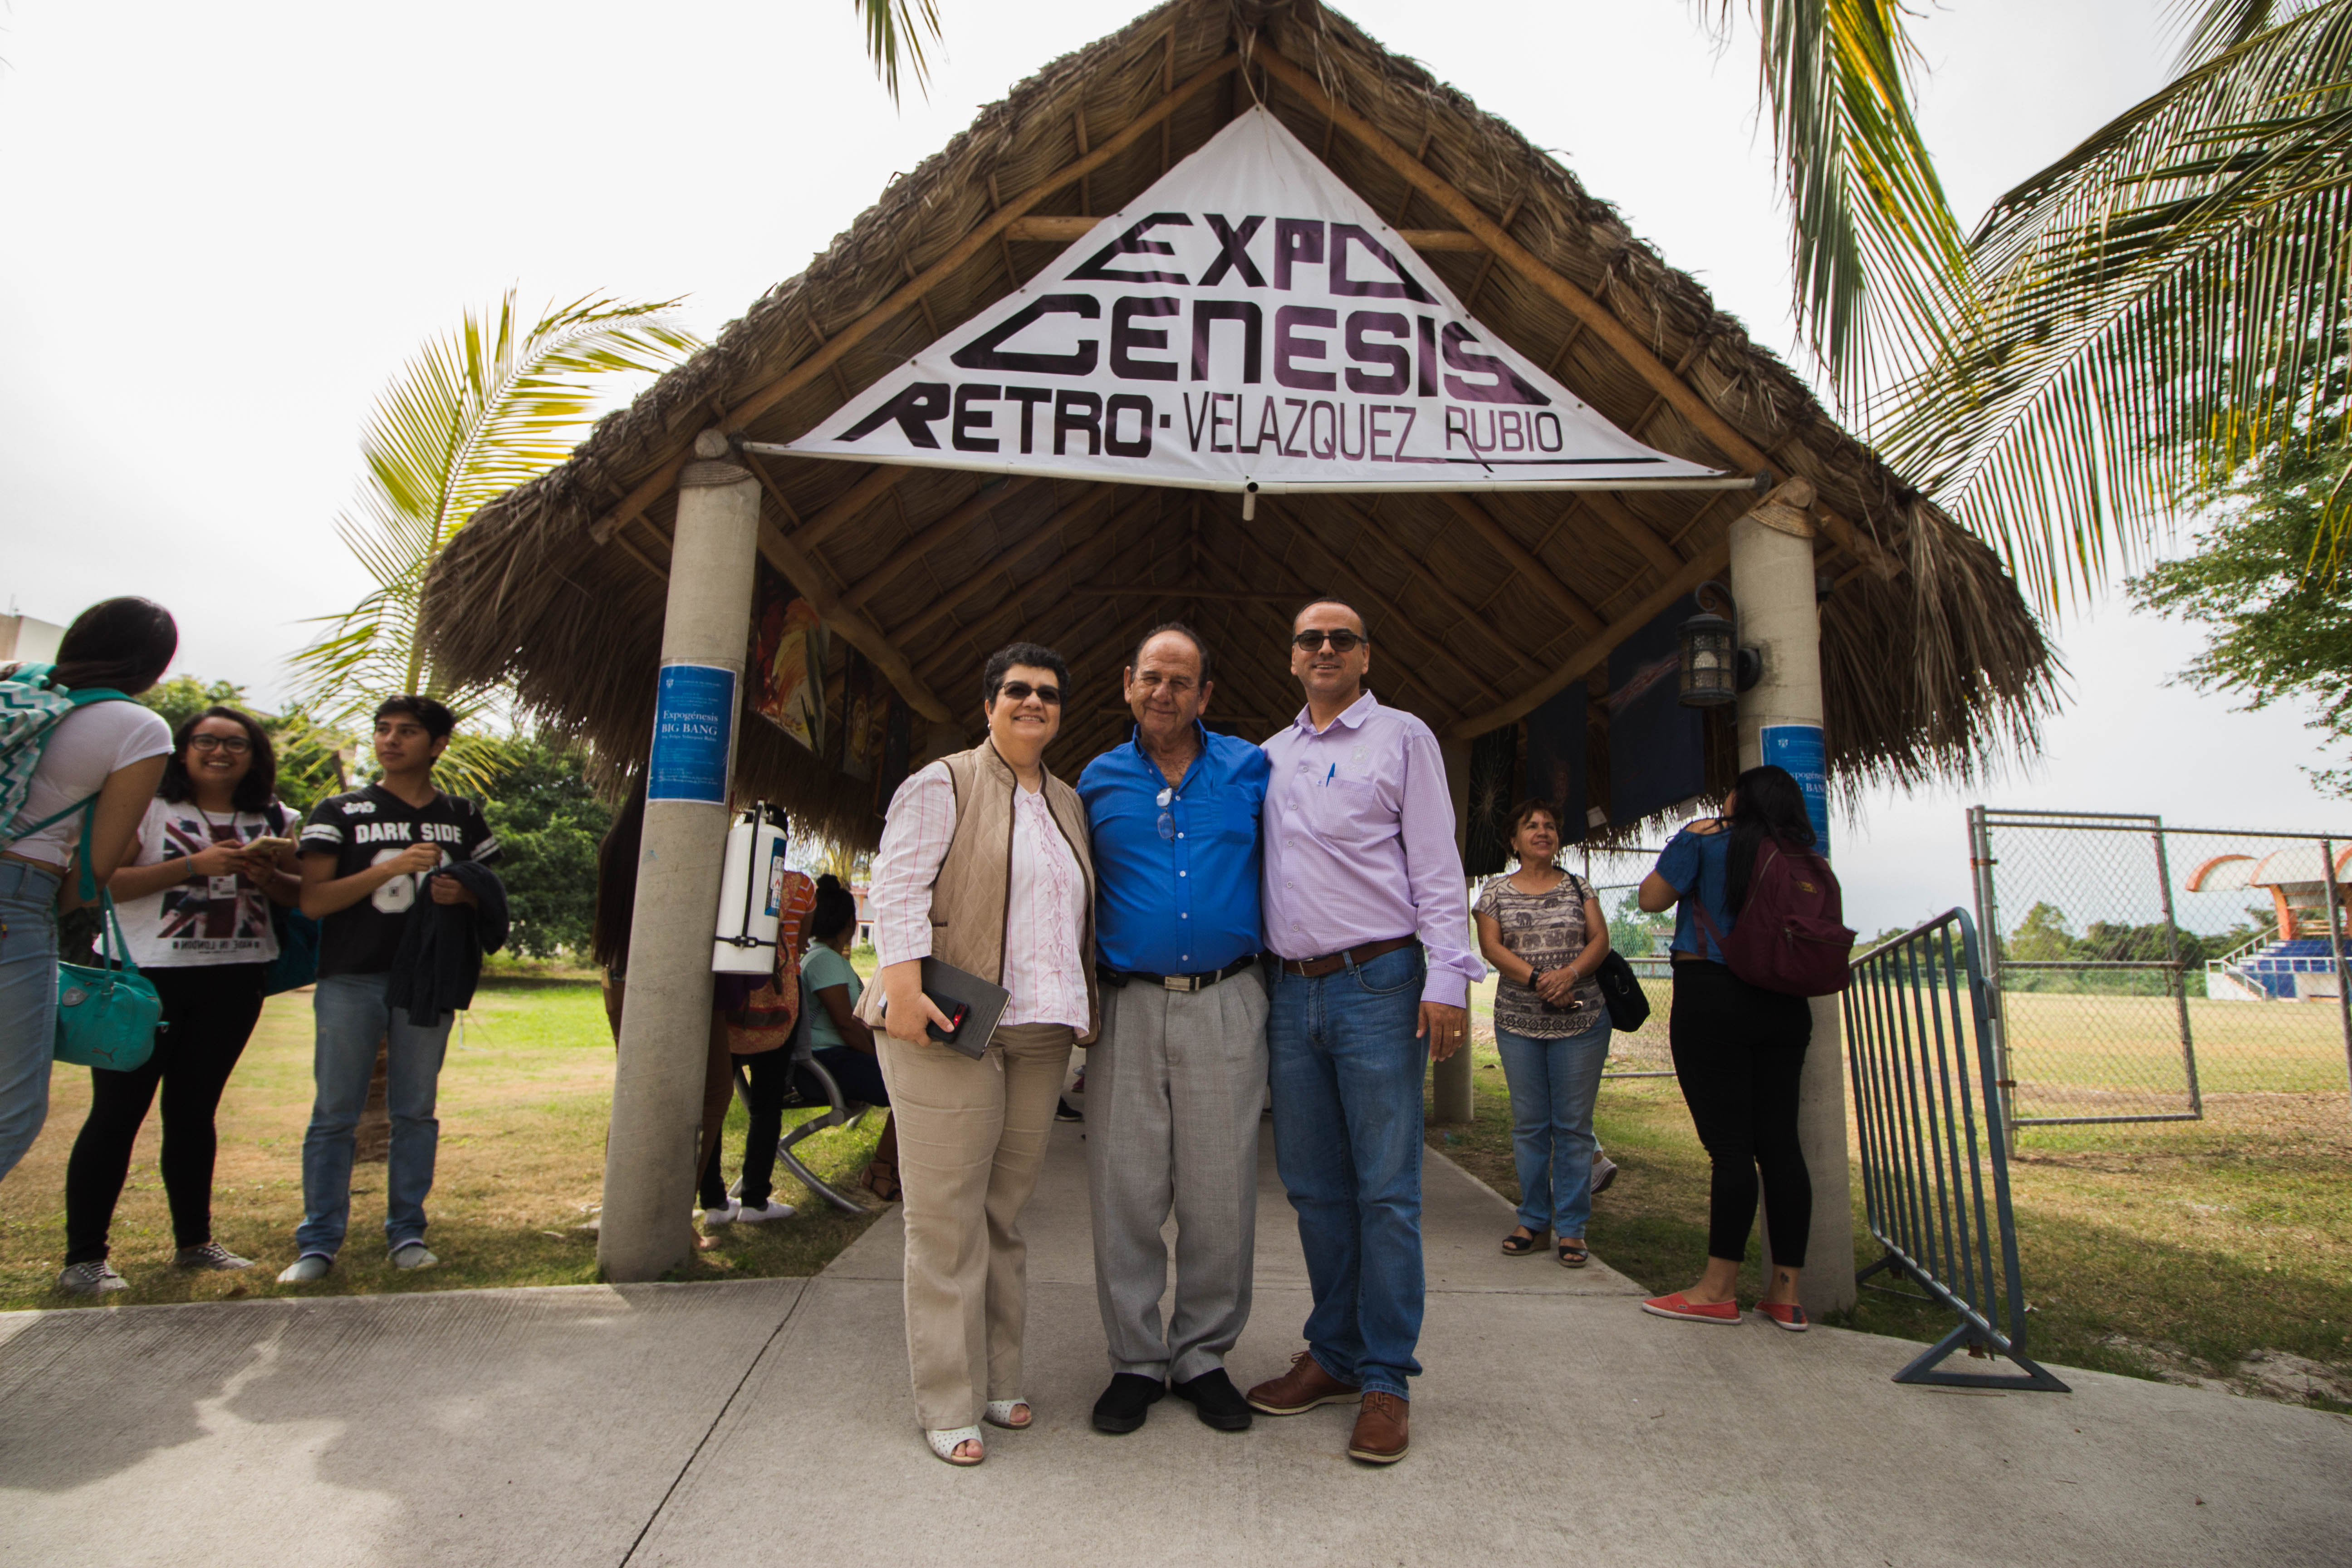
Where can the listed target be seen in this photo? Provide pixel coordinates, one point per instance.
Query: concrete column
(1772, 579)
(1451, 1099)
(647, 1227)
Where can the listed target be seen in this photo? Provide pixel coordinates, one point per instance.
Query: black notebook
(973, 1004)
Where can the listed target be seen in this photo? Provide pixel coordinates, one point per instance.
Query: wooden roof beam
(1373, 530)
(1520, 558)
(872, 485)
(854, 628)
(1064, 230)
(1392, 614)
(982, 235)
(997, 570)
(1786, 500)
(1017, 548)
(1247, 676)
(1686, 398)
(1631, 530)
(990, 496)
(1390, 608)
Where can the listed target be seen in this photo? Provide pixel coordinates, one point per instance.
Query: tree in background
(2275, 629)
(1633, 933)
(2156, 305)
(492, 406)
(548, 822)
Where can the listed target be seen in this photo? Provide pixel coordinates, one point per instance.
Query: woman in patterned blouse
(1544, 929)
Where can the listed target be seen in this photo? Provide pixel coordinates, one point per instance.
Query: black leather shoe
(1126, 1401)
(1215, 1400)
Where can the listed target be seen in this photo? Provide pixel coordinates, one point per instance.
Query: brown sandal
(881, 1179)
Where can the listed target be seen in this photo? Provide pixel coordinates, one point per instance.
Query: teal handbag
(106, 1017)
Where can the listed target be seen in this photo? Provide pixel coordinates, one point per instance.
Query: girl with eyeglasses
(193, 891)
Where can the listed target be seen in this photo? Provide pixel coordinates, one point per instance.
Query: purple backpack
(1792, 936)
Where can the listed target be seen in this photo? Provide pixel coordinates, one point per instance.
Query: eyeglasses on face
(1341, 640)
(1021, 691)
(235, 745)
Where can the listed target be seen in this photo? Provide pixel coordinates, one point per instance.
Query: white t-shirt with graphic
(205, 919)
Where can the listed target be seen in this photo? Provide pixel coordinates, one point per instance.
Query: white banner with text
(1247, 323)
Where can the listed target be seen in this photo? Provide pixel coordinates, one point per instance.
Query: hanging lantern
(1708, 661)
(1715, 669)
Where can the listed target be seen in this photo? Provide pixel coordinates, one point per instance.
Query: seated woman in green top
(841, 1044)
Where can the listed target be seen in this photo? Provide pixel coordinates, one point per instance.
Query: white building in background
(24, 640)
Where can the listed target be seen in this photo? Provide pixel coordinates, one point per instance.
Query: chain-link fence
(2151, 973)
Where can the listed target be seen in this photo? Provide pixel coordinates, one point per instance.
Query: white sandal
(945, 1444)
(999, 1414)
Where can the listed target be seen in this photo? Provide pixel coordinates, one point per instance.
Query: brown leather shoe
(1380, 1436)
(1303, 1387)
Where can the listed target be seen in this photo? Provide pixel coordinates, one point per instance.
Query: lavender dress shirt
(1360, 844)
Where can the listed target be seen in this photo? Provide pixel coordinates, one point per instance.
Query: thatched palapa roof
(1482, 606)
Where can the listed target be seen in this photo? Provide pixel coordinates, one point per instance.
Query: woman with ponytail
(1738, 1050)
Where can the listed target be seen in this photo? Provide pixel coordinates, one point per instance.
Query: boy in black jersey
(364, 856)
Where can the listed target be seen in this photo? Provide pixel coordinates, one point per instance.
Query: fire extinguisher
(750, 893)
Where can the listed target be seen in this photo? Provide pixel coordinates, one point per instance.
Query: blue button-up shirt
(1181, 900)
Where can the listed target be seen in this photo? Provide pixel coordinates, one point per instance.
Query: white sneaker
(413, 1255)
(713, 1218)
(307, 1269)
(90, 1278)
(770, 1210)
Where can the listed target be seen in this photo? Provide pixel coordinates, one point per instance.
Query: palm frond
(471, 415)
(2164, 301)
(896, 25)
(2211, 27)
(1880, 264)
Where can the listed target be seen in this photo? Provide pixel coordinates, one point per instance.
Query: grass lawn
(2196, 1251)
(2104, 1056)
(524, 1096)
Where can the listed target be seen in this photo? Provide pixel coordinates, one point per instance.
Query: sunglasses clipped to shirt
(1342, 641)
(1021, 691)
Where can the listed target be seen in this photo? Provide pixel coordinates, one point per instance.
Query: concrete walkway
(769, 1421)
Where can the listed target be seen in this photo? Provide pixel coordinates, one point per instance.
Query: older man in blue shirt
(1175, 1083)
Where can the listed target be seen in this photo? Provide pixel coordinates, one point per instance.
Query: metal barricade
(1929, 1117)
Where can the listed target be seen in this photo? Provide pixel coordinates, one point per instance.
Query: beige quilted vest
(969, 899)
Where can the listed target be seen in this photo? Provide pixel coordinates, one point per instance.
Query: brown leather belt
(1332, 962)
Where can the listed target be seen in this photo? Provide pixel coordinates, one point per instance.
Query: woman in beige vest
(983, 865)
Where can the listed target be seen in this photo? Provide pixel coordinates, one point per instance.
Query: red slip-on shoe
(1676, 1306)
(1786, 1315)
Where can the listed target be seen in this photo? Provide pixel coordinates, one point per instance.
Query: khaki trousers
(971, 1138)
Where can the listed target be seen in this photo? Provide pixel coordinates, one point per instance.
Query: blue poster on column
(1799, 749)
(694, 726)
(1657, 748)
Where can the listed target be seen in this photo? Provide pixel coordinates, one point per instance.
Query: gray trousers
(1174, 1087)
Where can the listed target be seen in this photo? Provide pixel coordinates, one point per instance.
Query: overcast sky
(230, 223)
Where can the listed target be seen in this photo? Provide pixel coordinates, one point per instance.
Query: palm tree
(2162, 304)
(474, 414)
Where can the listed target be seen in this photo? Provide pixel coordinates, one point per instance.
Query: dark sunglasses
(1021, 691)
(1342, 641)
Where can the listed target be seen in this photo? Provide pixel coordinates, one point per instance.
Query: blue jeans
(1347, 1068)
(353, 1017)
(28, 1003)
(1553, 1085)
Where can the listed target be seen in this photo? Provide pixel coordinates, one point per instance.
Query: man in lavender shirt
(1366, 908)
